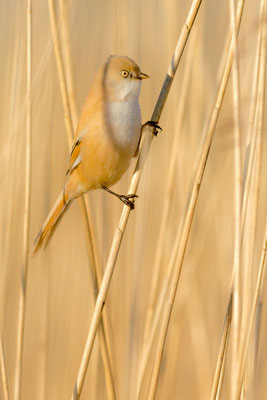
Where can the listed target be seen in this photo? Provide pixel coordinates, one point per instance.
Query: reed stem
(70, 117)
(27, 205)
(148, 134)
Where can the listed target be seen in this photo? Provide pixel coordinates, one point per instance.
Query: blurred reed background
(60, 295)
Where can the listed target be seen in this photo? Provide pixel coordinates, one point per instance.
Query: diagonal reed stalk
(168, 192)
(3, 369)
(218, 376)
(70, 117)
(181, 243)
(158, 312)
(153, 315)
(148, 134)
(26, 228)
(236, 317)
(153, 329)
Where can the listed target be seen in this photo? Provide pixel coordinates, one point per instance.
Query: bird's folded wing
(75, 156)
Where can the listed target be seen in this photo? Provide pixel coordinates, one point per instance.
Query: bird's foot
(155, 125)
(126, 199)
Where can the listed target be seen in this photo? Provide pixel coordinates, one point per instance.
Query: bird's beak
(143, 76)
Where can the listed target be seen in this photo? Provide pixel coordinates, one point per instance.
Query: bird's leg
(155, 125)
(125, 198)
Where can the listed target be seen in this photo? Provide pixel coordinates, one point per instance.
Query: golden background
(60, 296)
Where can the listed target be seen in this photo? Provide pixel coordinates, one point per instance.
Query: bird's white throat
(128, 90)
(125, 121)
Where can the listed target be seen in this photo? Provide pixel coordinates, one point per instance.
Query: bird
(106, 139)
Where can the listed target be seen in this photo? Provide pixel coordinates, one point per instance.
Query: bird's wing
(75, 156)
(90, 112)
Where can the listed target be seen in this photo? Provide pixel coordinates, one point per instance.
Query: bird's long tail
(54, 217)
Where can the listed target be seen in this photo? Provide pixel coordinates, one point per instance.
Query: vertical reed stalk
(253, 174)
(65, 44)
(244, 350)
(237, 201)
(260, 116)
(181, 244)
(70, 120)
(251, 135)
(251, 149)
(61, 76)
(26, 229)
(251, 138)
(3, 369)
(148, 135)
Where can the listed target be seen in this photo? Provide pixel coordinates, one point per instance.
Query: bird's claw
(126, 200)
(154, 125)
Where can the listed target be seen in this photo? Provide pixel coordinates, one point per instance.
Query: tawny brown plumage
(106, 138)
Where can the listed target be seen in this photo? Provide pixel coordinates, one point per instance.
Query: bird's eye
(124, 74)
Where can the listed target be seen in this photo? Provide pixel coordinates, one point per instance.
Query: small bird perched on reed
(106, 139)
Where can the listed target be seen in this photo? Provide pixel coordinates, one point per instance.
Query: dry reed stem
(65, 45)
(181, 243)
(85, 206)
(220, 383)
(16, 75)
(148, 134)
(61, 76)
(218, 376)
(154, 315)
(260, 116)
(169, 273)
(168, 192)
(67, 99)
(244, 351)
(253, 140)
(252, 117)
(236, 323)
(251, 278)
(105, 346)
(26, 227)
(251, 135)
(3, 369)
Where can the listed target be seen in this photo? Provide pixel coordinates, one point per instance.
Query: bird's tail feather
(54, 217)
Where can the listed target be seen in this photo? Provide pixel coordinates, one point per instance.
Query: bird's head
(122, 77)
